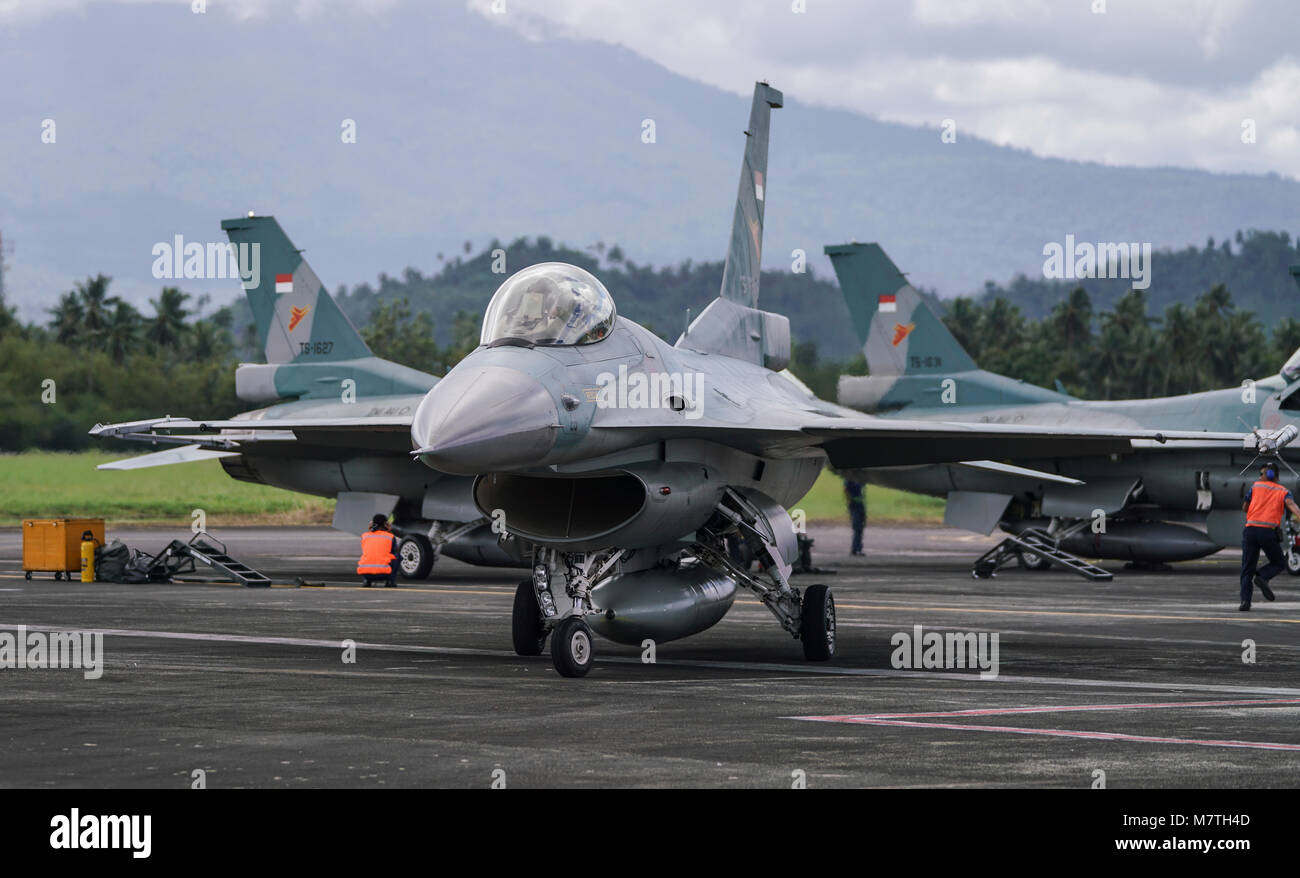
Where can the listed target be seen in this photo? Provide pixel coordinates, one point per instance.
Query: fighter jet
(1145, 508)
(327, 426)
(625, 464)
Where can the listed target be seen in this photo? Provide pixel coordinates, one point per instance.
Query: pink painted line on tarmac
(915, 721)
(1003, 711)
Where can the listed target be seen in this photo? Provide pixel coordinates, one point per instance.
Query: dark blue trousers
(1253, 540)
(858, 520)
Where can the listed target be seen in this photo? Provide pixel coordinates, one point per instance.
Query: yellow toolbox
(53, 545)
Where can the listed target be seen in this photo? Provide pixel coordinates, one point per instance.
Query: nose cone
(485, 419)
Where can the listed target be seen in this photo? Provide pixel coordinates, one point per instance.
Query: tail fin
(899, 331)
(744, 255)
(297, 321)
(732, 325)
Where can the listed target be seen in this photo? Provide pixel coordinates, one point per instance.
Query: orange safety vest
(376, 553)
(1267, 502)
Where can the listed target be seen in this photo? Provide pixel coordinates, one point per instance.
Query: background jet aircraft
(627, 500)
(327, 429)
(919, 371)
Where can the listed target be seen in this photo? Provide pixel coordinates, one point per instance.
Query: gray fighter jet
(623, 465)
(1146, 508)
(328, 426)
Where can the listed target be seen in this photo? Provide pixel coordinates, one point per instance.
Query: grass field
(825, 502)
(40, 484)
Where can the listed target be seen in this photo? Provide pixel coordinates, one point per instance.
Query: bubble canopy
(553, 303)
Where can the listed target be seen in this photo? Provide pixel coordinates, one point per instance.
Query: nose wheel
(571, 650)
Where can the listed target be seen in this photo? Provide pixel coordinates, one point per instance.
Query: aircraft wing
(895, 442)
(372, 434)
(865, 441)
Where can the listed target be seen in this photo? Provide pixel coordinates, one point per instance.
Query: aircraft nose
(485, 419)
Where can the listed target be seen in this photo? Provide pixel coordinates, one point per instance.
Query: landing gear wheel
(27, 574)
(571, 648)
(1034, 561)
(57, 576)
(526, 628)
(415, 557)
(817, 624)
(1293, 561)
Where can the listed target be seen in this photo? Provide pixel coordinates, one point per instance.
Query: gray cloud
(1157, 83)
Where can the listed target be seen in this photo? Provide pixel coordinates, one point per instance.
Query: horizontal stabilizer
(184, 454)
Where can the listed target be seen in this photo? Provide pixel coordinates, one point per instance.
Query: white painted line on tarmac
(815, 669)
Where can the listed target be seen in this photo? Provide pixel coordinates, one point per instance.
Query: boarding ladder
(1038, 542)
(179, 557)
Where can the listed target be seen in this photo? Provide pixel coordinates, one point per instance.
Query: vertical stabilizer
(296, 320)
(740, 275)
(900, 333)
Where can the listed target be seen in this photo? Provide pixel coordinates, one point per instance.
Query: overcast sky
(1162, 82)
(1144, 82)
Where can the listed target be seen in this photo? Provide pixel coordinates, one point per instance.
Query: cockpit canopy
(553, 303)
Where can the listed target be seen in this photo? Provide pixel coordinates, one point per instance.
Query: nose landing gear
(571, 651)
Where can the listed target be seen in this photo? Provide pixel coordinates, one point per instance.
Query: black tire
(571, 651)
(415, 557)
(27, 574)
(817, 624)
(58, 575)
(1292, 561)
(1034, 561)
(526, 628)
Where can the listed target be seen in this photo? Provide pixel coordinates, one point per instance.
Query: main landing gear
(417, 553)
(767, 532)
(767, 535)
(416, 556)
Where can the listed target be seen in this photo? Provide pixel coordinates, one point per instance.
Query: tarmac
(1139, 682)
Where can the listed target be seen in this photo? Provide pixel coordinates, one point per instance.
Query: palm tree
(122, 332)
(208, 339)
(96, 308)
(1072, 320)
(1180, 345)
(168, 325)
(962, 317)
(66, 319)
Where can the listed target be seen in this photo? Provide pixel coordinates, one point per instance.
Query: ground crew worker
(1265, 502)
(378, 553)
(857, 513)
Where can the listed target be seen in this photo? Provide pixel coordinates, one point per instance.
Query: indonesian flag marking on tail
(888, 304)
(284, 283)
